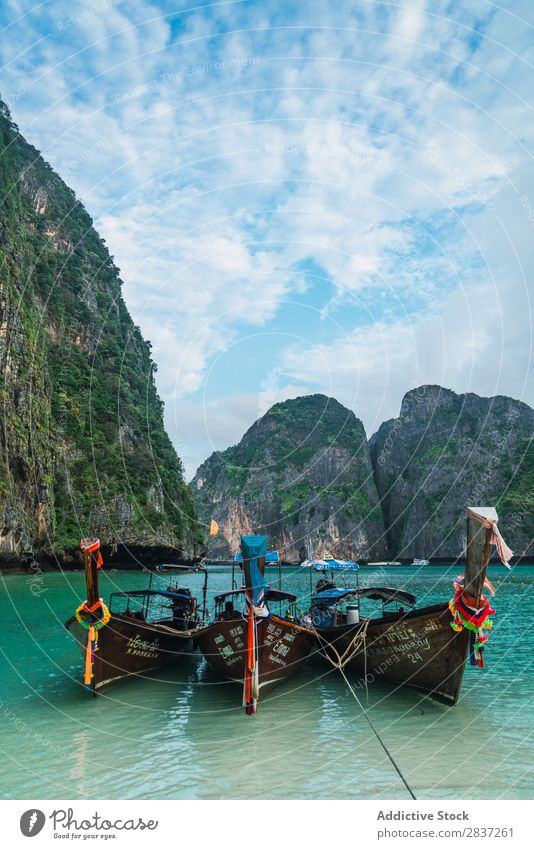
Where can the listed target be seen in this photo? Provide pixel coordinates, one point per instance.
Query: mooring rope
(352, 649)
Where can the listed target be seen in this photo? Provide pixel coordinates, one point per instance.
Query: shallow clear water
(183, 734)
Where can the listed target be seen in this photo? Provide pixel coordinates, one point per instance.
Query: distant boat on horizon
(385, 563)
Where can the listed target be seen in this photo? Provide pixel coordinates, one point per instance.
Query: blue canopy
(151, 593)
(332, 596)
(271, 594)
(332, 565)
(384, 594)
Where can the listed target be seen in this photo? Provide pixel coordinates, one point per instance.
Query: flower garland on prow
(92, 617)
(466, 614)
(86, 615)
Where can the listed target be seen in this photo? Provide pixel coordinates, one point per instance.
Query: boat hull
(416, 649)
(282, 647)
(127, 647)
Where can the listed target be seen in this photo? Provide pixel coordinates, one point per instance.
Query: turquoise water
(183, 734)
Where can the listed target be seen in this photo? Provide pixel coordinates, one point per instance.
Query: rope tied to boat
(353, 648)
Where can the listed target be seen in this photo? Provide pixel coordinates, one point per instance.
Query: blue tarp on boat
(333, 595)
(252, 548)
(270, 557)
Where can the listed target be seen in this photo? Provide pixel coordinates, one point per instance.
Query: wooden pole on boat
(253, 550)
(478, 550)
(90, 558)
(246, 569)
(204, 595)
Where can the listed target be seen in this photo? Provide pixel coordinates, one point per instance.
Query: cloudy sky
(324, 196)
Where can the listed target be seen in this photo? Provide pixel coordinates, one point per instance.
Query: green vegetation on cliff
(516, 502)
(304, 475)
(83, 446)
(448, 451)
(295, 431)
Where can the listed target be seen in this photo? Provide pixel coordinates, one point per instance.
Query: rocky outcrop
(446, 451)
(302, 475)
(82, 444)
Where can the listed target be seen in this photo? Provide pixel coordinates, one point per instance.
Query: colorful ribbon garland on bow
(85, 615)
(466, 614)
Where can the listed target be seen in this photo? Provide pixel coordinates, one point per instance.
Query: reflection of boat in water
(143, 630)
(425, 647)
(246, 642)
(420, 561)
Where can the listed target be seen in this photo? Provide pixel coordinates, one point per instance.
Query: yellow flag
(214, 528)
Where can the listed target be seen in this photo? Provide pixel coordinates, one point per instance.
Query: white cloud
(221, 149)
(477, 340)
(199, 428)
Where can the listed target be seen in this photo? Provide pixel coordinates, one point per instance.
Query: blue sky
(331, 196)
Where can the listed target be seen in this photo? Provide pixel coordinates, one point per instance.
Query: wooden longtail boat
(135, 635)
(426, 648)
(247, 643)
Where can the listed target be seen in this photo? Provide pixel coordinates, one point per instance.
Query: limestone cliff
(445, 451)
(302, 475)
(82, 444)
